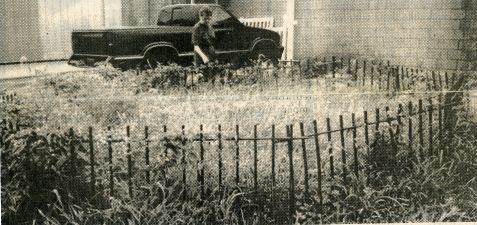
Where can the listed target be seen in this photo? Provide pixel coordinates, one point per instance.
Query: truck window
(164, 17)
(220, 18)
(186, 16)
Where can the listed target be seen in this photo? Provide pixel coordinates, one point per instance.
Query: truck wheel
(264, 52)
(159, 57)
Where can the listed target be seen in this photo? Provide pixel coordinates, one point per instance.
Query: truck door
(226, 44)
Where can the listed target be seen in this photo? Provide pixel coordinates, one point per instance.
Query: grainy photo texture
(238, 111)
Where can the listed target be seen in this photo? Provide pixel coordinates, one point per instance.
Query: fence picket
(183, 163)
(305, 161)
(291, 174)
(91, 160)
(431, 147)
(201, 163)
(420, 129)
(255, 158)
(330, 147)
(343, 152)
(146, 140)
(110, 159)
(237, 155)
(410, 135)
(219, 136)
(318, 163)
(355, 148)
(128, 146)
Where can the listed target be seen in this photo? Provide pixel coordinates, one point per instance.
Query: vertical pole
(330, 147)
(72, 151)
(273, 172)
(318, 163)
(410, 135)
(305, 160)
(434, 83)
(372, 75)
(219, 136)
(237, 156)
(128, 145)
(364, 72)
(343, 152)
(398, 82)
(440, 80)
(110, 158)
(431, 147)
(421, 134)
(349, 65)
(184, 164)
(399, 120)
(91, 160)
(446, 77)
(441, 146)
(355, 148)
(291, 174)
(333, 62)
(356, 70)
(388, 84)
(201, 164)
(146, 139)
(255, 158)
(380, 74)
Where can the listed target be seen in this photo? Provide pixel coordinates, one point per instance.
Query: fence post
(219, 136)
(399, 120)
(349, 65)
(410, 135)
(291, 173)
(333, 62)
(356, 70)
(355, 148)
(431, 147)
(421, 133)
(364, 72)
(201, 164)
(398, 82)
(110, 158)
(318, 163)
(366, 141)
(237, 156)
(148, 163)
(441, 146)
(305, 160)
(380, 73)
(330, 147)
(255, 157)
(434, 83)
(184, 164)
(446, 77)
(128, 144)
(372, 75)
(343, 152)
(388, 84)
(91, 160)
(440, 80)
(273, 172)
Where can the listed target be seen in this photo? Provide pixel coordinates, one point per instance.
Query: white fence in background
(267, 23)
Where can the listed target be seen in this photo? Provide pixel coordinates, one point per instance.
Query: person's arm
(201, 54)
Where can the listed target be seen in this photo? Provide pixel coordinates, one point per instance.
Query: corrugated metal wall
(41, 30)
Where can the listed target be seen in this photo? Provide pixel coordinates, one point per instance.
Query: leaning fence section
(302, 163)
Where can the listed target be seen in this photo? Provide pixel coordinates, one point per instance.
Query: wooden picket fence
(427, 127)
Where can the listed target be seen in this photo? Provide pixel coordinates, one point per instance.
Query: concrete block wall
(426, 33)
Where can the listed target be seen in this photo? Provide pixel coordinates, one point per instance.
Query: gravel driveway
(12, 71)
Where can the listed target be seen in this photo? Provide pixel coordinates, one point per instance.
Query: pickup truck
(170, 40)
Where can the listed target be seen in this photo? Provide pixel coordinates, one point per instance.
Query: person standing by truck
(203, 38)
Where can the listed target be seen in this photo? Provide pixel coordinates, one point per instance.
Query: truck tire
(264, 51)
(160, 56)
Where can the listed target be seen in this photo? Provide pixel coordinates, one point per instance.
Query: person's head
(205, 14)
